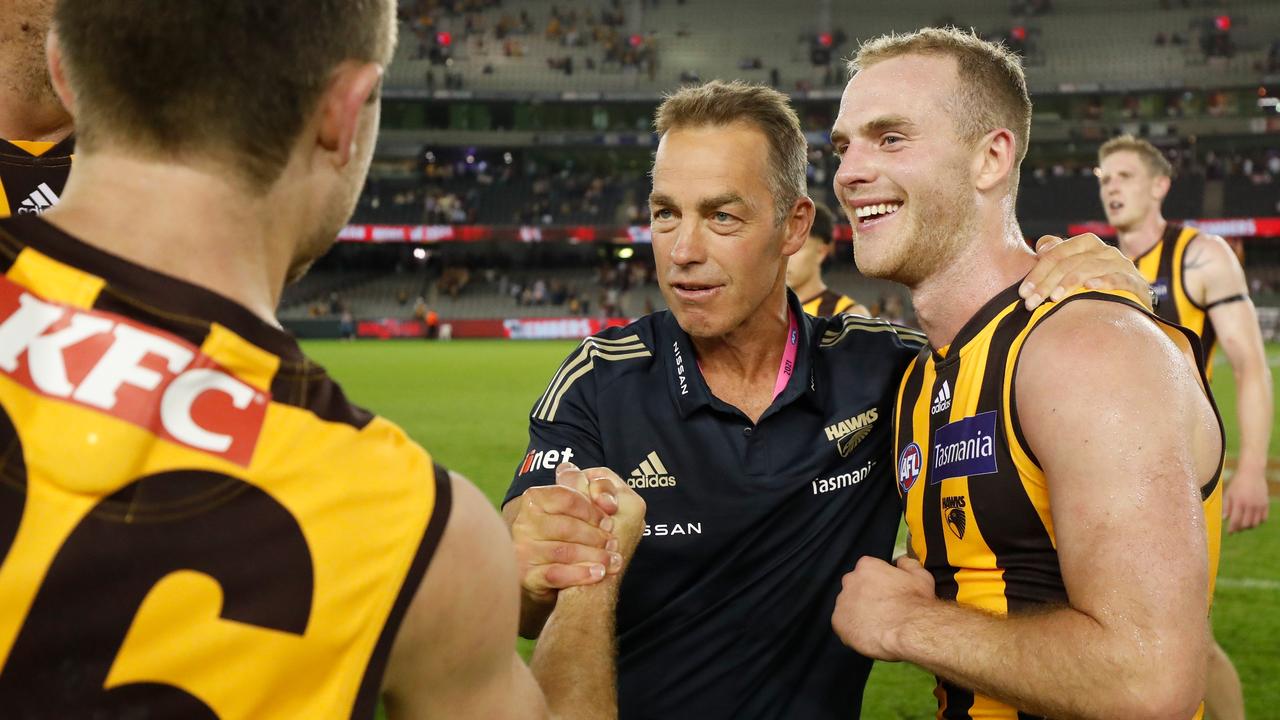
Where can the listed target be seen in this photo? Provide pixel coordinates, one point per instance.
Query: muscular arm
(1213, 274)
(454, 655)
(1125, 475)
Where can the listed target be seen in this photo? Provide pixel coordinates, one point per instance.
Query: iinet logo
(137, 374)
(544, 460)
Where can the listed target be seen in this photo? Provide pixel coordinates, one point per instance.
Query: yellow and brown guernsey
(32, 175)
(1164, 267)
(974, 495)
(194, 522)
(827, 303)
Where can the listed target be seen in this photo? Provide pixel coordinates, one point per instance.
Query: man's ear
(57, 74)
(1160, 187)
(351, 88)
(799, 222)
(997, 159)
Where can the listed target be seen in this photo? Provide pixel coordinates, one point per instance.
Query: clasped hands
(577, 532)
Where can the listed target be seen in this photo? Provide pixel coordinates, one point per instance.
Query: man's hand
(611, 494)
(1081, 261)
(1245, 504)
(874, 598)
(562, 538)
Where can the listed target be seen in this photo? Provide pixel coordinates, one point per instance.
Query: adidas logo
(40, 199)
(651, 474)
(942, 401)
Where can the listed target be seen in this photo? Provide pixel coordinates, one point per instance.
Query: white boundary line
(1248, 583)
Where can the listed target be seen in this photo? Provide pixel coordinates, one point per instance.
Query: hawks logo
(910, 463)
(953, 513)
(847, 443)
(848, 434)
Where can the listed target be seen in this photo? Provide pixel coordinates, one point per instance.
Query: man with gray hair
(758, 436)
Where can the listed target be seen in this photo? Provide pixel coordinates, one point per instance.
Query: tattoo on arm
(1195, 259)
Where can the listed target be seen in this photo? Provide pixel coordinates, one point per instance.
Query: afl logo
(910, 462)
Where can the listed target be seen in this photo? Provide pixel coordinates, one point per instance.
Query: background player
(194, 522)
(1202, 286)
(1067, 564)
(35, 130)
(804, 270)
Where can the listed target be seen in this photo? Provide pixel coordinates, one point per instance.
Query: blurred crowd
(594, 38)
(539, 195)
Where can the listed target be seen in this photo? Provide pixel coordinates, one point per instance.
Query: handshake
(577, 532)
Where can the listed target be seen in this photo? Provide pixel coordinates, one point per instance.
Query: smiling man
(1062, 500)
(758, 436)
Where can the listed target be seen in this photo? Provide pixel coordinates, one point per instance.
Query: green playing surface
(468, 402)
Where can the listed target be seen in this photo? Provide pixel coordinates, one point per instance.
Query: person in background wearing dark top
(804, 270)
(35, 129)
(433, 324)
(194, 520)
(347, 324)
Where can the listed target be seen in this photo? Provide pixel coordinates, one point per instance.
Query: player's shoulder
(598, 363)
(1096, 330)
(844, 303)
(849, 333)
(1089, 341)
(1205, 249)
(621, 349)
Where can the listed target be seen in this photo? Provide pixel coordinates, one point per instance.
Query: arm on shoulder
(455, 654)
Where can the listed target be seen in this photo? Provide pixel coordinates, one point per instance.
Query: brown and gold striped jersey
(194, 521)
(827, 304)
(1163, 267)
(975, 497)
(32, 175)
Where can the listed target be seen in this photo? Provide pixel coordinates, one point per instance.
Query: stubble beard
(937, 225)
(22, 49)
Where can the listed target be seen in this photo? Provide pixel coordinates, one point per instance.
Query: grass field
(468, 402)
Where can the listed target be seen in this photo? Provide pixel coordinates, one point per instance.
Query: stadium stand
(531, 121)
(648, 47)
(626, 291)
(1054, 191)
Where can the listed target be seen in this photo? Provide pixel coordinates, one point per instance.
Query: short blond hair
(1146, 152)
(993, 88)
(718, 103)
